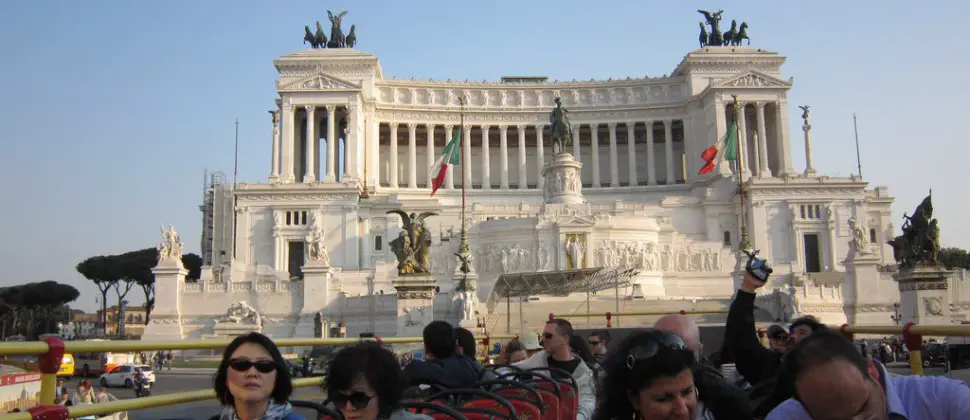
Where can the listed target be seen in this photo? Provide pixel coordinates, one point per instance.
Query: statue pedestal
(562, 180)
(466, 310)
(230, 330)
(317, 280)
(415, 303)
(923, 294)
(166, 319)
(862, 278)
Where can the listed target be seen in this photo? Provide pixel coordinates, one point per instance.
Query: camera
(757, 267)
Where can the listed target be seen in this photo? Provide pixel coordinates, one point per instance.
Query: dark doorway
(296, 259)
(813, 264)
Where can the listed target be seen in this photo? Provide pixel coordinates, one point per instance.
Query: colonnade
(296, 143)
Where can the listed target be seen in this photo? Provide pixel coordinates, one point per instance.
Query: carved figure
(933, 306)
(731, 33)
(703, 37)
(316, 248)
(574, 249)
(714, 20)
(310, 38)
(860, 238)
(352, 37)
(741, 35)
(321, 38)
(240, 313)
(561, 129)
(920, 241)
(171, 246)
(337, 39)
(413, 246)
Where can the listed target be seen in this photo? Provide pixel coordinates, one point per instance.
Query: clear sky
(110, 111)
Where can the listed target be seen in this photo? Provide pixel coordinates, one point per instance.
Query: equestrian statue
(732, 37)
(337, 39)
(562, 130)
(920, 241)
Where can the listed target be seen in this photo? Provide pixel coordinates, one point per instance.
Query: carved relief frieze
(909, 286)
(296, 197)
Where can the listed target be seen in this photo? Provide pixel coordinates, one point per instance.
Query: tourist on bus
(364, 382)
(649, 377)
(598, 342)
(443, 366)
(252, 381)
(513, 352)
(558, 354)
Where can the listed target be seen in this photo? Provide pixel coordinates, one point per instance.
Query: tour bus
(88, 364)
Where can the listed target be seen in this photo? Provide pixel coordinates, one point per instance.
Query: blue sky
(111, 110)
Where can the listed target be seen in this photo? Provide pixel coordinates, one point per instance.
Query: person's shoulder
(402, 414)
(788, 410)
(293, 416)
(929, 388)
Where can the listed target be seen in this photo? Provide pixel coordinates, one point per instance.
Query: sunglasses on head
(358, 400)
(243, 365)
(658, 340)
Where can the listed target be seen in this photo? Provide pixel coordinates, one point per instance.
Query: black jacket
(457, 371)
(726, 401)
(761, 367)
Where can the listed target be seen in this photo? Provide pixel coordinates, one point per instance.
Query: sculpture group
(413, 246)
(171, 247)
(734, 36)
(920, 241)
(337, 38)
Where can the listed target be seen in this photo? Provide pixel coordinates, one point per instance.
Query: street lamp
(896, 317)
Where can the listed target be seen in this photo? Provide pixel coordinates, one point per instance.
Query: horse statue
(561, 130)
(336, 34)
(351, 39)
(310, 38)
(714, 20)
(729, 35)
(742, 34)
(704, 36)
(321, 38)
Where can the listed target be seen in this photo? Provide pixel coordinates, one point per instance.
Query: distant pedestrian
(168, 360)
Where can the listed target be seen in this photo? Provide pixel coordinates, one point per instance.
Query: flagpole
(464, 253)
(745, 243)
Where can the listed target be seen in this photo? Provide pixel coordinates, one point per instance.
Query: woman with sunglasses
(365, 382)
(250, 383)
(649, 377)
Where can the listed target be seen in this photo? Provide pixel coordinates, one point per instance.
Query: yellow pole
(48, 386)
(916, 362)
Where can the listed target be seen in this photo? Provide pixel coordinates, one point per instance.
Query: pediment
(318, 82)
(753, 79)
(575, 221)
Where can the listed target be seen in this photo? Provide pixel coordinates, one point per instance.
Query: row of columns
(521, 182)
(284, 143)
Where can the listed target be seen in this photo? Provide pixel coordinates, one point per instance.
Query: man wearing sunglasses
(832, 381)
(598, 340)
(556, 353)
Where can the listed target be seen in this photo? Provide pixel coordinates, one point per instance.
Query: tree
(104, 273)
(35, 308)
(954, 258)
(193, 263)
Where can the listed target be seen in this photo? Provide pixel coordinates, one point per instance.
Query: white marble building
(371, 142)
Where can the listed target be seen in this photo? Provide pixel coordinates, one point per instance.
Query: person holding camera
(761, 367)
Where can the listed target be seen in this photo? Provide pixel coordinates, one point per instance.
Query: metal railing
(51, 351)
(912, 335)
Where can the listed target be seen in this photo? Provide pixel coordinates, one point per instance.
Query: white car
(124, 375)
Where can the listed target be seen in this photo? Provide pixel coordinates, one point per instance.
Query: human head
(686, 328)
(252, 385)
(650, 374)
(439, 340)
(368, 375)
(515, 351)
(833, 381)
(531, 343)
(598, 340)
(556, 335)
(466, 342)
(778, 338)
(804, 327)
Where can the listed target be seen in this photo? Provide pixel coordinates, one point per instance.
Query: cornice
(553, 85)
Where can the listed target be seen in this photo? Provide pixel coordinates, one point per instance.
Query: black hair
(819, 349)
(282, 389)
(602, 334)
(439, 339)
(811, 322)
(581, 349)
(620, 379)
(514, 346)
(466, 340)
(563, 327)
(378, 366)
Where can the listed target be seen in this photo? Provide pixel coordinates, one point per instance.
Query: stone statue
(704, 36)
(731, 33)
(805, 109)
(920, 241)
(241, 313)
(320, 37)
(337, 39)
(741, 35)
(562, 130)
(575, 251)
(860, 238)
(413, 246)
(714, 20)
(316, 248)
(171, 246)
(352, 37)
(465, 304)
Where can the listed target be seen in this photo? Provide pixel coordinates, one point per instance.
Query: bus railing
(51, 351)
(610, 315)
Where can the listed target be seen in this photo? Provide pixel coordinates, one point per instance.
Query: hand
(750, 283)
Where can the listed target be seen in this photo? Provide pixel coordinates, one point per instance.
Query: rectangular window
(727, 238)
(296, 259)
(803, 211)
(288, 216)
(303, 221)
(818, 212)
(872, 235)
(813, 262)
(378, 243)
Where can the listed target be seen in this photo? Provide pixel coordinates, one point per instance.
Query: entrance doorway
(296, 259)
(813, 262)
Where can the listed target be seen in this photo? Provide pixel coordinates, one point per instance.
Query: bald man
(716, 395)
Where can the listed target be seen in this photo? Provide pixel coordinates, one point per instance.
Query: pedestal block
(317, 281)
(923, 293)
(562, 180)
(415, 303)
(166, 319)
(466, 302)
(861, 281)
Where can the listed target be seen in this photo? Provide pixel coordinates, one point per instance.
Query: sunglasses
(358, 400)
(547, 336)
(658, 340)
(243, 365)
(594, 342)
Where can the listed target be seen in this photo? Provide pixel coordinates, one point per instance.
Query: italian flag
(726, 149)
(449, 157)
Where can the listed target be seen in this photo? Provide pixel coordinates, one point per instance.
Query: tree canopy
(32, 309)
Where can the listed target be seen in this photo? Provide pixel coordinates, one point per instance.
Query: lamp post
(896, 317)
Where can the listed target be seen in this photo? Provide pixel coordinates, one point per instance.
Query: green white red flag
(451, 156)
(726, 149)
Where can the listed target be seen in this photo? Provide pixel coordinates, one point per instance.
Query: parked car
(124, 375)
(934, 354)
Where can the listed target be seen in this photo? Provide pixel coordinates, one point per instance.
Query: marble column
(540, 155)
(350, 144)
(651, 156)
(594, 144)
(614, 159)
(503, 147)
(450, 172)
(274, 173)
(466, 156)
(669, 150)
(331, 144)
(755, 154)
(430, 157)
(392, 170)
(765, 170)
(523, 174)
(311, 134)
(412, 155)
(576, 148)
(783, 146)
(287, 135)
(743, 140)
(486, 161)
(631, 149)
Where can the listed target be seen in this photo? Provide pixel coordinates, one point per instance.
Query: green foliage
(193, 263)
(953, 258)
(32, 309)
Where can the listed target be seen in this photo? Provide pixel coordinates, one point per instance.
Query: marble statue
(171, 246)
(860, 238)
(241, 313)
(413, 245)
(574, 249)
(316, 249)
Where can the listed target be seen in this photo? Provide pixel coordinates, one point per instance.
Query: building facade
(347, 145)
